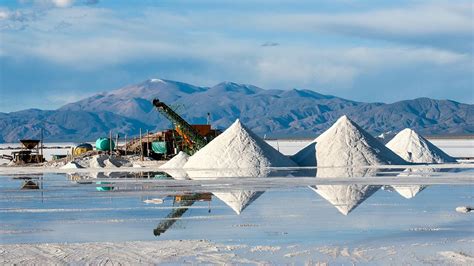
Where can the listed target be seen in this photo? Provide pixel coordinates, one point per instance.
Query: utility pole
(116, 143)
(141, 146)
(41, 145)
(110, 142)
(147, 143)
(125, 144)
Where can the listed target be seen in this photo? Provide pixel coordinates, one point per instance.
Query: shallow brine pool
(282, 218)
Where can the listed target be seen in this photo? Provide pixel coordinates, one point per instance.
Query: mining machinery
(186, 137)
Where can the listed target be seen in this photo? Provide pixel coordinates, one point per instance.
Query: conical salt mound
(238, 200)
(306, 156)
(345, 198)
(237, 147)
(178, 161)
(415, 148)
(174, 166)
(347, 144)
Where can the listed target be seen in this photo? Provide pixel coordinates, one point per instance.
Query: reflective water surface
(274, 210)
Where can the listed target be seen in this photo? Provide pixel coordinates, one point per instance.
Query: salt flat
(67, 222)
(148, 218)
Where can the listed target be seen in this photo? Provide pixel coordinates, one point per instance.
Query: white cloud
(62, 3)
(50, 3)
(98, 39)
(4, 14)
(409, 21)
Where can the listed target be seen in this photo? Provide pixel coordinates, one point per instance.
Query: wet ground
(290, 219)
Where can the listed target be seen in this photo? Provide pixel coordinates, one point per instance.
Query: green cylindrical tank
(104, 144)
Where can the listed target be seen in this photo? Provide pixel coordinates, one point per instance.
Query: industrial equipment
(104, 144)
(29, 153)
(184, 137)
(85, 147)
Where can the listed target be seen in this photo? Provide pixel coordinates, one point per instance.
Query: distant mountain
(65, 125)
(276, 113)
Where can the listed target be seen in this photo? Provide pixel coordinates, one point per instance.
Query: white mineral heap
(237, 148)
(416, 149)
(236, 153)
(174, 167)
(346, 146)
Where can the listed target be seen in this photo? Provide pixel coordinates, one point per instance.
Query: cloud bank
(353, 53)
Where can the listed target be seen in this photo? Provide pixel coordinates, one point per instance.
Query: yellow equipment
(82, 148)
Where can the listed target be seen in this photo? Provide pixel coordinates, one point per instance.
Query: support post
(116, 143)
(110, 142)
(141, 146)
(147, 143)
(126, 144)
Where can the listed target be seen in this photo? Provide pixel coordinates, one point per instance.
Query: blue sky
(57, 51)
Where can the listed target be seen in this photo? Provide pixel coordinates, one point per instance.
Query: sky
(57, 51)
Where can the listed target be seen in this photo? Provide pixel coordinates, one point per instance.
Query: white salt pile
(102, 161)
(71, 165)
(238, 200)
(178, 161)
(345, 198)
(174, 166)
(237, 147)
(414, 148)
(346, 144)
(237, 152)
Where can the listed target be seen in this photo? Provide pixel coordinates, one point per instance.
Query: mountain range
(275, 113)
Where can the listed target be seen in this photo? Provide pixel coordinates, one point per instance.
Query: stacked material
(346, 146)
(100, 161)
(236, 153)
(178, 161)
(414, 148)
(71, 165)
(174, 167)
(237, 147)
